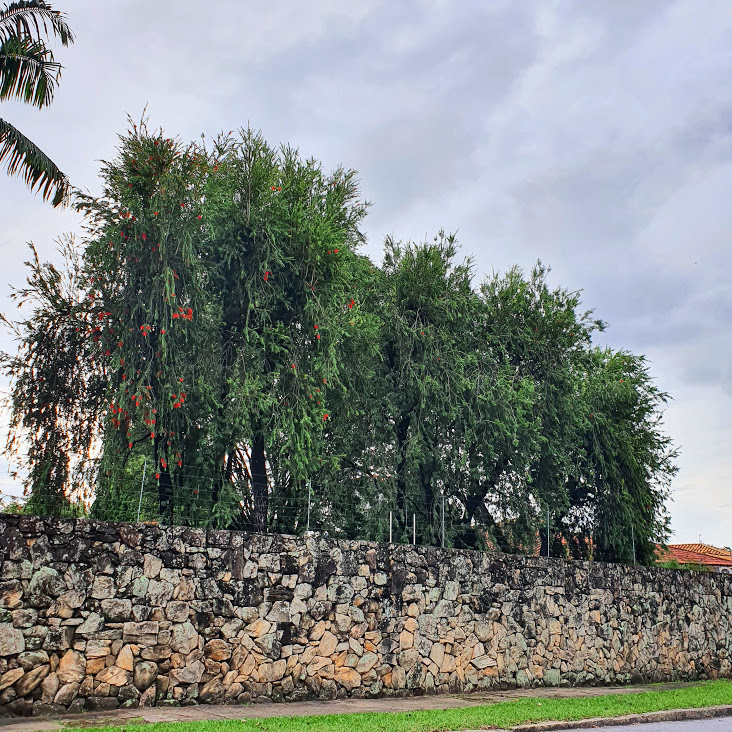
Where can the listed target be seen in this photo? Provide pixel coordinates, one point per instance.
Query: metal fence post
(310, 488)
(142, 486)
(443, 522)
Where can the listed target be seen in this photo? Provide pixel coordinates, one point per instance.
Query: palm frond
(33, 19)
(26, 160)
(27, 72)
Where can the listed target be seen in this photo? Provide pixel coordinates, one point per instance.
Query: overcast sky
(594, 136)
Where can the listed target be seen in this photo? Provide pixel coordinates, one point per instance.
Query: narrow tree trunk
(165, 485)
(260, 485)
(401, 479)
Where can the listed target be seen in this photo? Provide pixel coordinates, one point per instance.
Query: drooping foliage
(218, 333)
(29, 73)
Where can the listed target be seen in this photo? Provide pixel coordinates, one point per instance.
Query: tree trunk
(165, 486)
(260, 485)
(401, 479)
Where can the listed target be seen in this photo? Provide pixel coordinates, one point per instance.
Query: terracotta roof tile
(687, 556)
(711, 551)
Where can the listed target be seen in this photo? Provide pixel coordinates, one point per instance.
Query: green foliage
(29, 73)
(56, 385)
(692, 566)
(622, 482)
(219, 332)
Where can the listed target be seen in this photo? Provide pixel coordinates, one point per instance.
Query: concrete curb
(672, 715)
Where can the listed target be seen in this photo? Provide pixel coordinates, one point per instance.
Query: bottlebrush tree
(217, 330)
(216, 287)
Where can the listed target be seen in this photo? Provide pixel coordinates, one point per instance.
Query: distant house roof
(685, 554)
(707, 549)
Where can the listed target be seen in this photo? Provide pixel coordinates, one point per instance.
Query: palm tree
(29, 72)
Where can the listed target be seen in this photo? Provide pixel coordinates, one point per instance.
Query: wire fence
(367, 510)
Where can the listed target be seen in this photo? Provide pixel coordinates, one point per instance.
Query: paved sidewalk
(301, 709)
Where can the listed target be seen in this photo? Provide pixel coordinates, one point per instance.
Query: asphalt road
(720, 724)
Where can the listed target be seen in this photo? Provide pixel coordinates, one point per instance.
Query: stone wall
(99, 615)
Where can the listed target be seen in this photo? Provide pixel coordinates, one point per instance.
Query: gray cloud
(595, 136)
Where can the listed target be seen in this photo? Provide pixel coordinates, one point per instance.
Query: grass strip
(503, 715)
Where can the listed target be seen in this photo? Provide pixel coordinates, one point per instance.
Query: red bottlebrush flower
(180, 379)
(134, 219)
(130, 447)
(172, 294)
(182, 205)
(274, 188)
(336, 251)
(157, 476)
(175, 316)
(318, 336)
(351, 303)
(162, 331)
(176, 405)
(157, 142)
(266, 276)
(316, 327)
(293, 365)
(325, 416)
(152, 437)
(119, 344)
(329, 252)
(216, 167)
(180, 462)
(325, 381)
(144, 237)
(164, 464)
(124, 377)
(156, 213)
(195, 493)
(199, 216)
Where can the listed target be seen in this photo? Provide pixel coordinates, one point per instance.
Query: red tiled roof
(685, 556)
(712, 551)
